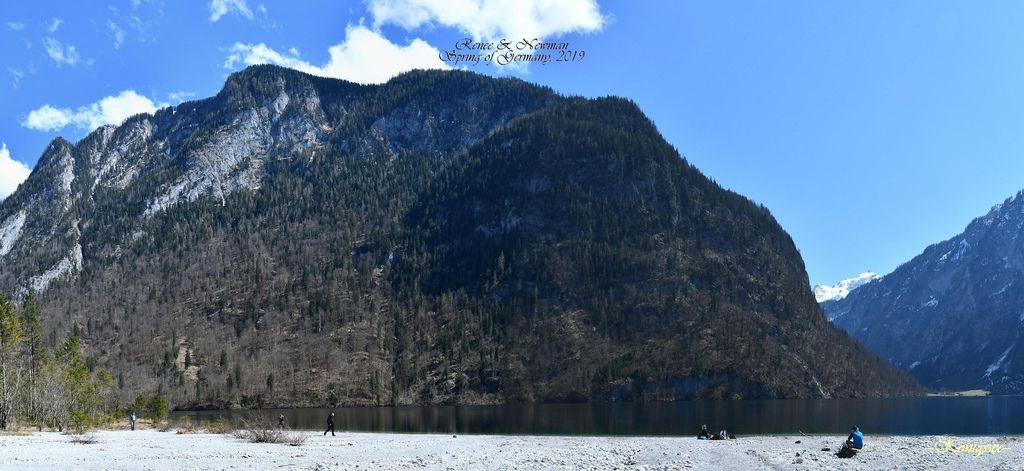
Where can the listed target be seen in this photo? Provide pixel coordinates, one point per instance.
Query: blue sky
(870, 129)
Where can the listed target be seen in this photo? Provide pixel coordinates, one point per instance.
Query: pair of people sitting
(705, 434)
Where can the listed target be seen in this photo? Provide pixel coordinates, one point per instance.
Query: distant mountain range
(842, 289)
(442, 238)
(954, 315)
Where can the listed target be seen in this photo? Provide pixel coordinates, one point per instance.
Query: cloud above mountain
(107, 110)
(490, 19)
(12, 172)
(366, 55)
(219, 8)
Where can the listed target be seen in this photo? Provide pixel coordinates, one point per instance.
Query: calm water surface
(904, 416)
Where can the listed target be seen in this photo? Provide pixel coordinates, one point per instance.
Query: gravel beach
(155, 450)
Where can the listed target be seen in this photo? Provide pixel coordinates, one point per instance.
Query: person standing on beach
(131, 420)
(330, 425)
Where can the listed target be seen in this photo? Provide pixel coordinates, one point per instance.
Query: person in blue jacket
(856, 439)
(854, 443)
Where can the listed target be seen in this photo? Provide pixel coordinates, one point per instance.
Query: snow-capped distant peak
(842, 289)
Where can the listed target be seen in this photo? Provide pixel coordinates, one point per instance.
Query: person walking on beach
(280, 423)
(330, 425)
(131, 420)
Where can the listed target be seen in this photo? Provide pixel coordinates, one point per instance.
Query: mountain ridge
(442, 238)
(952, 314)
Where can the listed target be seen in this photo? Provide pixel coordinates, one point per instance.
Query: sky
(870, 129)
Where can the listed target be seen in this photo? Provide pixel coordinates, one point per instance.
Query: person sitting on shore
(853, 444)
(721, 435)
(704, 433)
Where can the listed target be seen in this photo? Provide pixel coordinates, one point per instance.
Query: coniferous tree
(35, 350)
(11, 335)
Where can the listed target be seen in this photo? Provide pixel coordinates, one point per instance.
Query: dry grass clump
(84, 439)
(257, 429)
(220, 426)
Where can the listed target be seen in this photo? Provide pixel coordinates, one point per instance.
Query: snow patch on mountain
(10, 231)
(842, 289)
(961, 249)
(1003, 289)
(232, 159)
(280, 103)
(114, 160)
(66, 177)
(70, 264)
(67, 174)
(996, 365)
(96, 163)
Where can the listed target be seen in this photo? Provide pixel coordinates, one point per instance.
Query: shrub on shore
(256, 429)
(220, 426)
(186, 425)
(270, 436)
(84, 438)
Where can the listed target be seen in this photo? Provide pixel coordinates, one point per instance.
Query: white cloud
(60, 54)
(243, 55)
(47, 118)
(108, 110)
(15, 25)
(219, 8)
(117, 32)
(16, 75)
(178, 97)
(12, 172)
(55, 25)
(493, 19)
(365, 56)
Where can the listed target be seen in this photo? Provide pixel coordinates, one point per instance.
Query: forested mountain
(444, 237)
(954, 315)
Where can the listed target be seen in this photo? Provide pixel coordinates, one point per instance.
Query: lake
(995, 415)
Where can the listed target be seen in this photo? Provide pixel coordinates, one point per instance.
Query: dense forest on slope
(442, 238)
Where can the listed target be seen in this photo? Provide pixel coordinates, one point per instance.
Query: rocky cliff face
(444, 237)
(954, 315)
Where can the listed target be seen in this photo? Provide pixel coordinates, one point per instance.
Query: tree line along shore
(56, 388)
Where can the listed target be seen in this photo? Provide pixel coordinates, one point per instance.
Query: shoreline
(153, 449)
